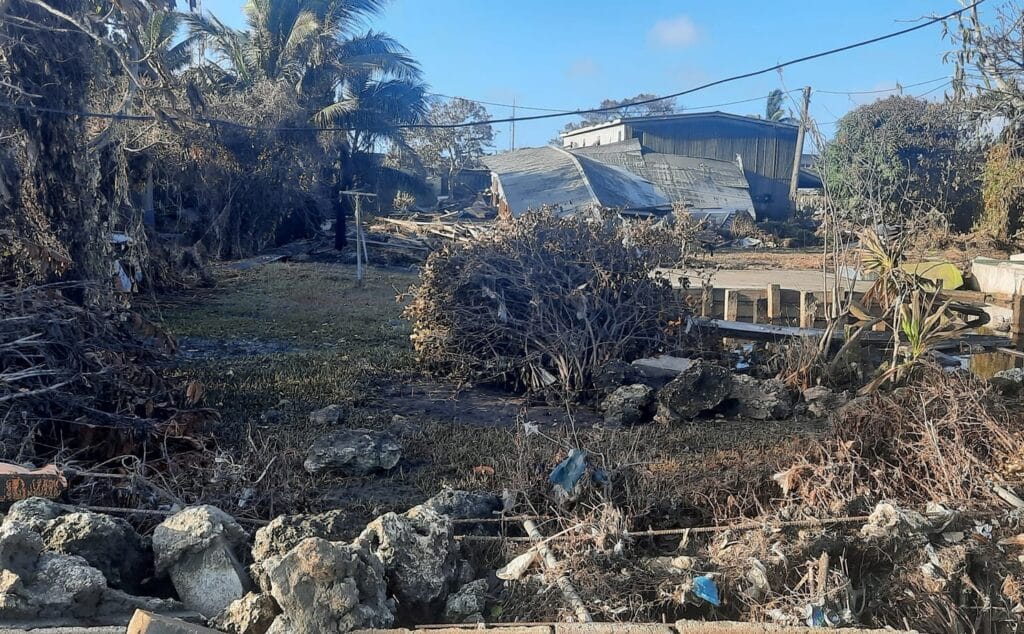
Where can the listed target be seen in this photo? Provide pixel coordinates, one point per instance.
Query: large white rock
(197, 548)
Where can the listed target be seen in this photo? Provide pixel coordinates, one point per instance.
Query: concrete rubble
(36, 584)
(328, 416)
(418, 551)
(353, 452)
(821, 401)
(698, 390)
(628, 405)
(109, 544)
(323, 586)
(252, 614)
(467, 605)
(199, 549)
(761, 400)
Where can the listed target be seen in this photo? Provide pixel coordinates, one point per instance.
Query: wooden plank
(808, 307)
(774, 308)
(1017, 322)
(732, 299)
(770, 332)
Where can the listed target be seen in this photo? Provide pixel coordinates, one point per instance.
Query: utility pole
(513, 123)
(798, 154)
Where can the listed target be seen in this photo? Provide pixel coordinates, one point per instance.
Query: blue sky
(572, 54)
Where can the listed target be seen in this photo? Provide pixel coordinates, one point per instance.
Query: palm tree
(773, 109)
(365, 83)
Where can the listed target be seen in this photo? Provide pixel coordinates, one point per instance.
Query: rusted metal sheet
(18, 483)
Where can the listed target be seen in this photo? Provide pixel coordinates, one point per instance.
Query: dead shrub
(940, 438)
(85, 381)
(541, 303)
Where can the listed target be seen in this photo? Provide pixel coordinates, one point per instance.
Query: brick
(148, 623)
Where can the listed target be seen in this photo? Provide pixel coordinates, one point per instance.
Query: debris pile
(85, 378)
(945, 436)
(540, 303)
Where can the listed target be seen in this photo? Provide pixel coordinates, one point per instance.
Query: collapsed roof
(533, 178)
(617, 176)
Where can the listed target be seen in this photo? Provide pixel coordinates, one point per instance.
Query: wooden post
(1017, 324)
(807, 309)
(707, 302)
(774, 303)
(799, 150)
(732, 304)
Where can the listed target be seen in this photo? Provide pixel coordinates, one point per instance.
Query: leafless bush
(85, 380)
(541, 303)
(942, 437)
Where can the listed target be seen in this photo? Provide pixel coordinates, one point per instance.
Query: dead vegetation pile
(85, 383)
(942, 437)
(541, 303)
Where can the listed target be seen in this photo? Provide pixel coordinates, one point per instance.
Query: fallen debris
(35, 584)
(19, 483)
(697, 391)
(252, 614)
(628, 405)
(354, 452)
(761, 400)
(198, 547)
(419, 554)
(327, 587)
(467, 604)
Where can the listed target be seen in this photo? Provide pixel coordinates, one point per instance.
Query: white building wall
(600, 136)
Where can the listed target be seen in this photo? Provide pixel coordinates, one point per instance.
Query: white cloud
(583, 67)
(678, 32)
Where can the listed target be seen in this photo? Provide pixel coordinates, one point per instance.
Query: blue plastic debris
(705, 588)
(569, 471)
(600, 477)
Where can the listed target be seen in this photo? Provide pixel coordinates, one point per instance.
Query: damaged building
(762, 149)
(617, 176)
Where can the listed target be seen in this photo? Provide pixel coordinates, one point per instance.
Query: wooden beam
(808, 308)
(774, 303)
(732, 304)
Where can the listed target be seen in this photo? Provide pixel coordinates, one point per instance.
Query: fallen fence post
(568, 591)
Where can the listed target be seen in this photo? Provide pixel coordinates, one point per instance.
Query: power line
(881, 90)
(551, 115)
(733, 78)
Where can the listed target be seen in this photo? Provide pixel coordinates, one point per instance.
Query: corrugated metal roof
(705, 186)
(534, 177)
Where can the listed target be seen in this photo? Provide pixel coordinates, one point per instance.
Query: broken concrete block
(697, 390)
(822, 401)
(467, 605)
(327, 416)
(34, 513)
(628, 405)
(354, 452)
(285, 532)
(458, 504)
(109, 544)
(35, 584)
(419, 553)
(325, 587)
(761, 400)
(149, 623)
(252, 614)
(198, 548)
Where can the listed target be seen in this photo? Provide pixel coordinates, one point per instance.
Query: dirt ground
(274, 342)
